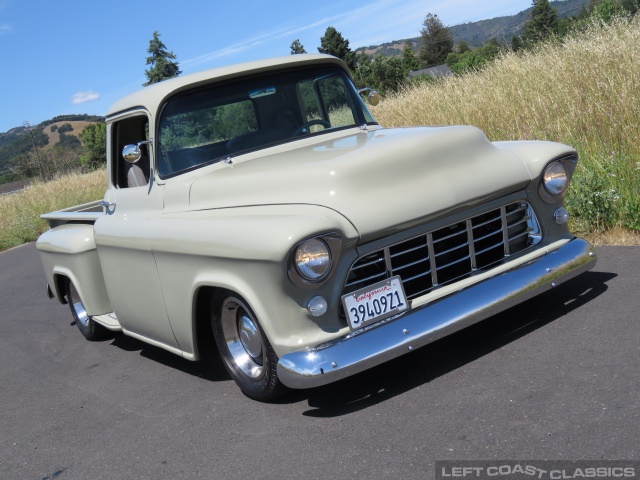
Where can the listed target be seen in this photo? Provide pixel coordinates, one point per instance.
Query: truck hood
(382, 180)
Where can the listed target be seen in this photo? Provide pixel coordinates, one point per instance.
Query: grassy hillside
(584, 92)
(54, 136)
(17, 158)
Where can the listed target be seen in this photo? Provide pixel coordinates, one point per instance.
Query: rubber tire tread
(266, 389)
(93, 331)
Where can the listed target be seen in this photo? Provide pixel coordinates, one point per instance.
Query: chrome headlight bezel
(556, 177)
(334, 243)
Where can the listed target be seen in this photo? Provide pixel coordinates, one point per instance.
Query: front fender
(247, 250)
(536, 154)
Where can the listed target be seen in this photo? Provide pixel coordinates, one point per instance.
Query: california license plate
(375, 302)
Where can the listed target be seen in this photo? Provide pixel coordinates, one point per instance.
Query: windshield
(214, 123)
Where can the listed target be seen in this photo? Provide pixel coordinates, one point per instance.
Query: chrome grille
(450, 253)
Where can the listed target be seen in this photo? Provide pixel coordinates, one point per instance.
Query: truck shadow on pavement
(414, 369)
(450, 353)
(210, 366)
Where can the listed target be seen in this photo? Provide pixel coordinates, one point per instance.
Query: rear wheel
(245, 350)
(87, 326)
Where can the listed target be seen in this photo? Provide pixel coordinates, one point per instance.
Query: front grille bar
(505, 231)
(472, 247)
(432, 260)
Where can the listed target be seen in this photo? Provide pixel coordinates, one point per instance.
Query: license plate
(375, 302)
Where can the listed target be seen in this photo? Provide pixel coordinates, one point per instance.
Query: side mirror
(131, 153)
(373, 97)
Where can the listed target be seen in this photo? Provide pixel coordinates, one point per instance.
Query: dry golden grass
(615, 236)
(20, 212)
(588, 84)
(584, 92)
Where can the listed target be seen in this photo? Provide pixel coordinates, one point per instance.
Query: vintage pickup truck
(261, 204)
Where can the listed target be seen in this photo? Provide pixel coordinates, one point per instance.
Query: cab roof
(153, 96)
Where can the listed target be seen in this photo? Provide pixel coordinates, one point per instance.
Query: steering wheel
(302, 128)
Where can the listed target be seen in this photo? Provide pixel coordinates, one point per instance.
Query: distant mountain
(15, 133)
(16, 141)
(477, 33)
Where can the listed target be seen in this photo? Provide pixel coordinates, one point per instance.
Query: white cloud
(5, 29)
(83, 97)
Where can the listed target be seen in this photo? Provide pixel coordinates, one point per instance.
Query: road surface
(557, 377)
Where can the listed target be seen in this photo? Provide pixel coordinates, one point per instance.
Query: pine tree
(161, 61)
(333, 43)
(297, 47)
(409, 61)
(437, 41)
(542, 24)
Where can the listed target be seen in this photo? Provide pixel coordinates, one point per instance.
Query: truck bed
(85, 213)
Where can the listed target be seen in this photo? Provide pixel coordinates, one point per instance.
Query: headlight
(554, 178)
(312, 260)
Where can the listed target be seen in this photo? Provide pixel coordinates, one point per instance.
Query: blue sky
(68, 56)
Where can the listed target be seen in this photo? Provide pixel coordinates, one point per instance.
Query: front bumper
(362, 350)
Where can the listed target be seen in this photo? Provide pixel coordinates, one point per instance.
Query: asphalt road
(554, 378)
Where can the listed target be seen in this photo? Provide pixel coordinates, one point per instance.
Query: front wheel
(90, 329)
(245, 350)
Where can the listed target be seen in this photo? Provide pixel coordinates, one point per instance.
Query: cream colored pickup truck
(261, 204)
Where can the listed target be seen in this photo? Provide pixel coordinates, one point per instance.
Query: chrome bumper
(416, 328)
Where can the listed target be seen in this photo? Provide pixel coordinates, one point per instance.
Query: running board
(109, 321)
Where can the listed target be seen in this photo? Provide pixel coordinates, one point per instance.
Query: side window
(326, 98)
(129, 131)
(308, 101)
(336, 100)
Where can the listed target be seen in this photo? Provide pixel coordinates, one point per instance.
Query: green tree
(333, 43)
(94, 145)
(161, 60)
(463, 47)
(437, 41)
(410, 62)
(461, 63)
(607, 9)
(65, 127)
(384, 74)
(297, 47)
(542, 24)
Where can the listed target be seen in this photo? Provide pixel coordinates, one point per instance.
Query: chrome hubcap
(243, 338)
(250, 336)
(78, 307)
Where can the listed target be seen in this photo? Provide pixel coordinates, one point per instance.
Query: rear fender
(69, 251)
